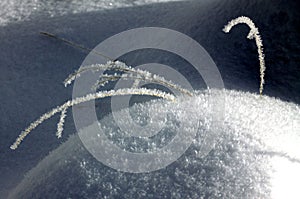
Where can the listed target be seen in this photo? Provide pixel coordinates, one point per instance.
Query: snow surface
(18, 11)
(33, 68)
(252, 155)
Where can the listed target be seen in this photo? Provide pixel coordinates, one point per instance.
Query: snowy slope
(253, 155)
(33, 66)
(18, 11)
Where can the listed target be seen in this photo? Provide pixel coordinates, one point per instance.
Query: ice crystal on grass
(253, 34)
(89, 97)
(122, 71)
(130, 73)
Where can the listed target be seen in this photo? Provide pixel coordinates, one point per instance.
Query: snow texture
(250, 144)
(259, 160)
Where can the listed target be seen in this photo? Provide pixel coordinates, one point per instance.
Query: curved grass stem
(63, 108)
(253, 34)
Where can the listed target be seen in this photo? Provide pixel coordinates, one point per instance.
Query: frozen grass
(122, 71)
(253, 34)
(89, 97)
(130, 73)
